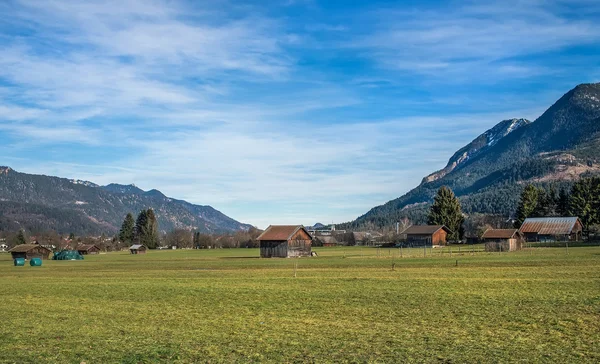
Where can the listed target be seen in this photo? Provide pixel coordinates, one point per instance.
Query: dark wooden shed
(28, 251)
(88, 249)
(502, 240)
(429, 235)
(137, 249)
(284, 241)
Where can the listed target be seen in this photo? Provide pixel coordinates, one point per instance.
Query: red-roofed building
(285, 241)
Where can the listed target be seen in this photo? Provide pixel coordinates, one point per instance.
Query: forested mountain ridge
(37, 203)
(557, 148)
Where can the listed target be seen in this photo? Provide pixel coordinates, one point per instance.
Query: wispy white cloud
(475, 40)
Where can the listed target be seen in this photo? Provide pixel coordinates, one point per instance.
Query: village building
(28, 251)
(545, 229)
(137, 249)
(367, 238)
(502, 240)
(327, 241)
(426, 235)
(285, 241)
(86, 249)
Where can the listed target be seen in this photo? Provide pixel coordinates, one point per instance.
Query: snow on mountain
(84, 183)
(479, 144)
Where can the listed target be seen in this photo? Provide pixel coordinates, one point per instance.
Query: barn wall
(419, 239)
(273, 249)
(439, 237)
(503, 245)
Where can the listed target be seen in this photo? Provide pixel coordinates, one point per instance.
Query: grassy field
(347, 305)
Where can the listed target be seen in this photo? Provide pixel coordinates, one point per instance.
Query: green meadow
(346, 305)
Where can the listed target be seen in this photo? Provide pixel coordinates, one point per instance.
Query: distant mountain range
(38, 203)
(561, 146)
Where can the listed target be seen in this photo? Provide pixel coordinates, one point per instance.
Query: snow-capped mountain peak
(479, 144)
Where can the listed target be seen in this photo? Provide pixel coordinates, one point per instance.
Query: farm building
(503, 240)
(369, 238)
(137, 249)
(545, 229)
(88, 249)
(284, 241)
(28, 251)
(327, 240)
(419, 235)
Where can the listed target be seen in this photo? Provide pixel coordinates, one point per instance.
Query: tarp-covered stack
(67, 255)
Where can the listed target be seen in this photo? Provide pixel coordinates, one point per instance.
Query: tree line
(583, 201)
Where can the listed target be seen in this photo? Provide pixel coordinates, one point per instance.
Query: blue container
(19, 262)
(35, 262)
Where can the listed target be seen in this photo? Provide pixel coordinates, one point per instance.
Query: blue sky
(277, 112)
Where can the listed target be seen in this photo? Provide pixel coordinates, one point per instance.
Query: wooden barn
(28, 251)
(88, 249)
(502, 240)
(137, 249)
(285, 241)
(429, 235)
(544, 229)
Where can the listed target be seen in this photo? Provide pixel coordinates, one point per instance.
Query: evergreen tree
(546, 204)
(127, 232)
(152, 237)
(20, 238)
(446, 211)
(584, 201)
(141, 225)
(527, 204)
(562, 206)
(146, 229)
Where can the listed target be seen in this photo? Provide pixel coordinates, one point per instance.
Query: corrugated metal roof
(499, 233)
(24, 248)
(136, 246)
(424, 229)
(549, 225)
(280, 232)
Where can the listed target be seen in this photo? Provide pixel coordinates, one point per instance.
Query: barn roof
(424, 229)
(136, 247)
(499, 233)
(549, 225)
(86, 247)
(280, 232)
(24, 248)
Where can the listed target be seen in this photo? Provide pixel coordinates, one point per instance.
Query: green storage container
(35, 262)
(19, 262)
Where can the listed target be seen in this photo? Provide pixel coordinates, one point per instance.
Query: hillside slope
(557, 148)
(38, 202)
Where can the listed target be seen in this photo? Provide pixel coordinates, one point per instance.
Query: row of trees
(143, 231)
(539, 202)
(582, 201)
